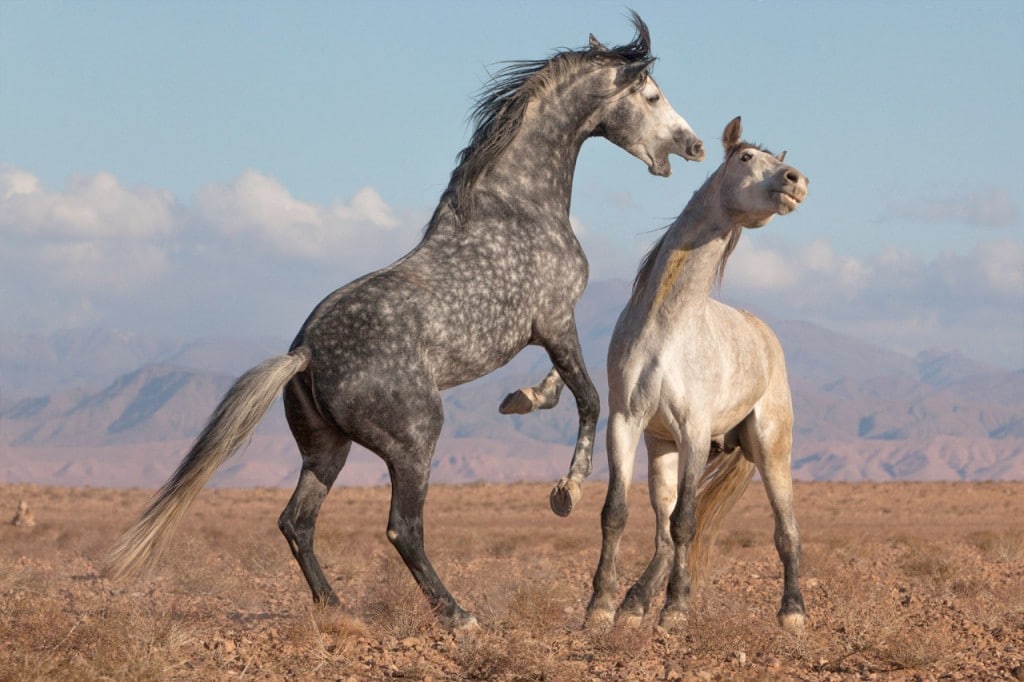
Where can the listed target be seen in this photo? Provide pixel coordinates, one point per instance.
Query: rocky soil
(915, 581)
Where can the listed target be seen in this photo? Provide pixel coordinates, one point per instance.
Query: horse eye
(746, 156)
(654, 98)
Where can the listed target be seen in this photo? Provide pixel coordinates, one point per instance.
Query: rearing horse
(498, 268)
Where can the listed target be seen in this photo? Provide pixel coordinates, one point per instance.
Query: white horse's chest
(710, 369)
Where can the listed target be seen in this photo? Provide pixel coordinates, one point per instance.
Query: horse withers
(498, 268)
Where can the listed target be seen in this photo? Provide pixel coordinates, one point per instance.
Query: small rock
(24, 518)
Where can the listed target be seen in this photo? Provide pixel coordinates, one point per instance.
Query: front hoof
(792, 622)
(673, 621)
(565, 495)
(518, 402)
(629, 620)
(599, 619)
(462, 623)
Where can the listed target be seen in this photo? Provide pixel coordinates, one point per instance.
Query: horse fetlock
(565, 495)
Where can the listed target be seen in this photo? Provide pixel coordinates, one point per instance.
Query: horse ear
(732, 134)
(636, 70)
(596, 44)
(782, 156)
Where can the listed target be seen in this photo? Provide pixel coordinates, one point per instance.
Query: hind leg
(324, 452)
(622, 440)
(405, 531)
(403, 431)
(769, 441)
(663, 476)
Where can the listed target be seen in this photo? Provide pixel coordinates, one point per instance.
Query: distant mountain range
(99, 407)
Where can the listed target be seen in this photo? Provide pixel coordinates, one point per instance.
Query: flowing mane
(501, 103)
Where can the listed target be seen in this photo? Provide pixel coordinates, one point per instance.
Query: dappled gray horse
(498, 268)
(705, 384)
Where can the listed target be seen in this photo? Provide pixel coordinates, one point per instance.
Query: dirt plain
(915, 581)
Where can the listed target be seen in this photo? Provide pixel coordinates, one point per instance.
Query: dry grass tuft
(393, 603)
(1006, 546)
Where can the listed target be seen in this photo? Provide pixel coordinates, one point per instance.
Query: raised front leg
(543, 396)
(567, 358)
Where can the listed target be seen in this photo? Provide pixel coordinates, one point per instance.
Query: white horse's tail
(230, 425)
(723, 482)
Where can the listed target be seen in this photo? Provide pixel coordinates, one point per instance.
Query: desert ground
(915, 581)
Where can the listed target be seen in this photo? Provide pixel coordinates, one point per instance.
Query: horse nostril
(696, 149)
(793, 175)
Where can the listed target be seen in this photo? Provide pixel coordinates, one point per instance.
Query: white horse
(705, 384)
(684, 369)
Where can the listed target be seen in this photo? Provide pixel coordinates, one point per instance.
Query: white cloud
(815, 265)
(260, 205)
(104, 266)
(972, 301)
(95, 206)
(983, 206)
(1002, 262)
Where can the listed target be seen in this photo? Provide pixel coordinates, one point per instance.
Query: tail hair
(138, 550)
(722, 484)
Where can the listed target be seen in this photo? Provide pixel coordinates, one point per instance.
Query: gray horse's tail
(230, 425)
(723, 482)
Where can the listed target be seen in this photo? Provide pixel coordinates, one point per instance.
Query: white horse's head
(637, 115)
(756, 184)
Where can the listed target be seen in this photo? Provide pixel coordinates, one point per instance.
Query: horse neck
(690, 255)
(538, 164)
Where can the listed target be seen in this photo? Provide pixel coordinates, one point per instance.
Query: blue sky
(197, 168)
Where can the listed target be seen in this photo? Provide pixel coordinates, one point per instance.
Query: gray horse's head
(638, 116)
(757, 185)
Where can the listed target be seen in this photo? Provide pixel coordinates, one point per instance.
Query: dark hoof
(564, 496)
(517, 402)
(462, 623)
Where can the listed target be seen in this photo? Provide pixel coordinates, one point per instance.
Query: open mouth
(787, 202)
(660, 168)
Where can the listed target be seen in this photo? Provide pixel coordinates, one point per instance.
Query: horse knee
(614, 515)
(683, 525)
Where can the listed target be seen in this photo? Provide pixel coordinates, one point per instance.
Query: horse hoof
(463, 623)
(630, 620)
(673, 621)
(600, 619)
(792, 622)
(564, 496)
(518, 402)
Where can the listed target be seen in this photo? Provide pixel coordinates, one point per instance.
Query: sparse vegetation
(930, 589)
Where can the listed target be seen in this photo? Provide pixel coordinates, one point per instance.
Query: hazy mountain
(105, 408)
